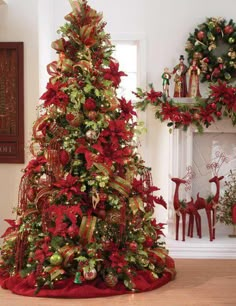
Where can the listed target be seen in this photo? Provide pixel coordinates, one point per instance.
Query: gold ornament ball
(211, 25)
(111, 280)
(30, 238)
(91, 135)
(227, 76)
(56, 259)
(231, 40)
(90, 275)
(77, 121)
(92, 115)
(113, 216)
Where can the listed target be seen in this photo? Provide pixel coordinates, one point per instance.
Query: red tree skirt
(96, 288)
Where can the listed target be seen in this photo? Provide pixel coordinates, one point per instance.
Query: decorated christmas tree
(84, 225)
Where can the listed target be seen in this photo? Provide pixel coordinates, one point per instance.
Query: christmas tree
(84, 225)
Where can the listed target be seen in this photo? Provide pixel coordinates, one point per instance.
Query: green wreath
(202, 44)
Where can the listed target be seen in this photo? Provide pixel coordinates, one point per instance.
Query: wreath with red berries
(202, 45)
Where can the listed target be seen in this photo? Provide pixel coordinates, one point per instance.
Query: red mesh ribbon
(53, 158)
(52, 70)
(123, 218)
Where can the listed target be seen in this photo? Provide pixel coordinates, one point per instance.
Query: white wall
(165, 26)
(18, 22)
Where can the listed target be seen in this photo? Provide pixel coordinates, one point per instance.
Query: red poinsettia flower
(117, 260)
(69, 186)
(127, 109)
(170, 112)
(43, 253)
(113, 74)
(13, 227)
(55, 96)
(35, 165)
(206, 115)
(186, 118)
(117, 130)
(153, 95)
(113, 153)
(224, 93)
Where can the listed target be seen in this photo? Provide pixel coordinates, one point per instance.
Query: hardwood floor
(199, 282)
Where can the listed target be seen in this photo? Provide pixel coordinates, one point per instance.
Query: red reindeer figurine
(183, 208)
(210, 205)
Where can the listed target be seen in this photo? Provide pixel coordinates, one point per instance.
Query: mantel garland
(202, 45)
(220, 103)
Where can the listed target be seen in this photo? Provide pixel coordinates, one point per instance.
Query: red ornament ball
(200, 35)
(206, 60)
(148, 242)
(90, 104)
(90, 275)
(228, 29)
(101, 213)
(31, 194)
(213, 105)
(133, 246)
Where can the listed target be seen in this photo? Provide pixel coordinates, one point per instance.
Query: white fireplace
(197, 150)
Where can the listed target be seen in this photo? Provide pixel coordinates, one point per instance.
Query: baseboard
(223, 247)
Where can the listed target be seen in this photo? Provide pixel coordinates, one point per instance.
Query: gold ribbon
(121, 185)
(52, 70)
(36, 125)
(136, 204)
(54, 271)
(68, 252)
(58, 45)
(87, 227)
(75, 4)
(106, 170)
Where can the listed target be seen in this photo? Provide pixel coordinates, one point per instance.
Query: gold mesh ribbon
(54, 271)
(68, 252)
(104, 169)
(87, 228)
(121, 185)
(136, 204)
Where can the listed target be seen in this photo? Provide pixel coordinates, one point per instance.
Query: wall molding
(221, 248)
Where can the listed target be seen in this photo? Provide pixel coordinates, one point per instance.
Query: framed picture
(11, 102)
